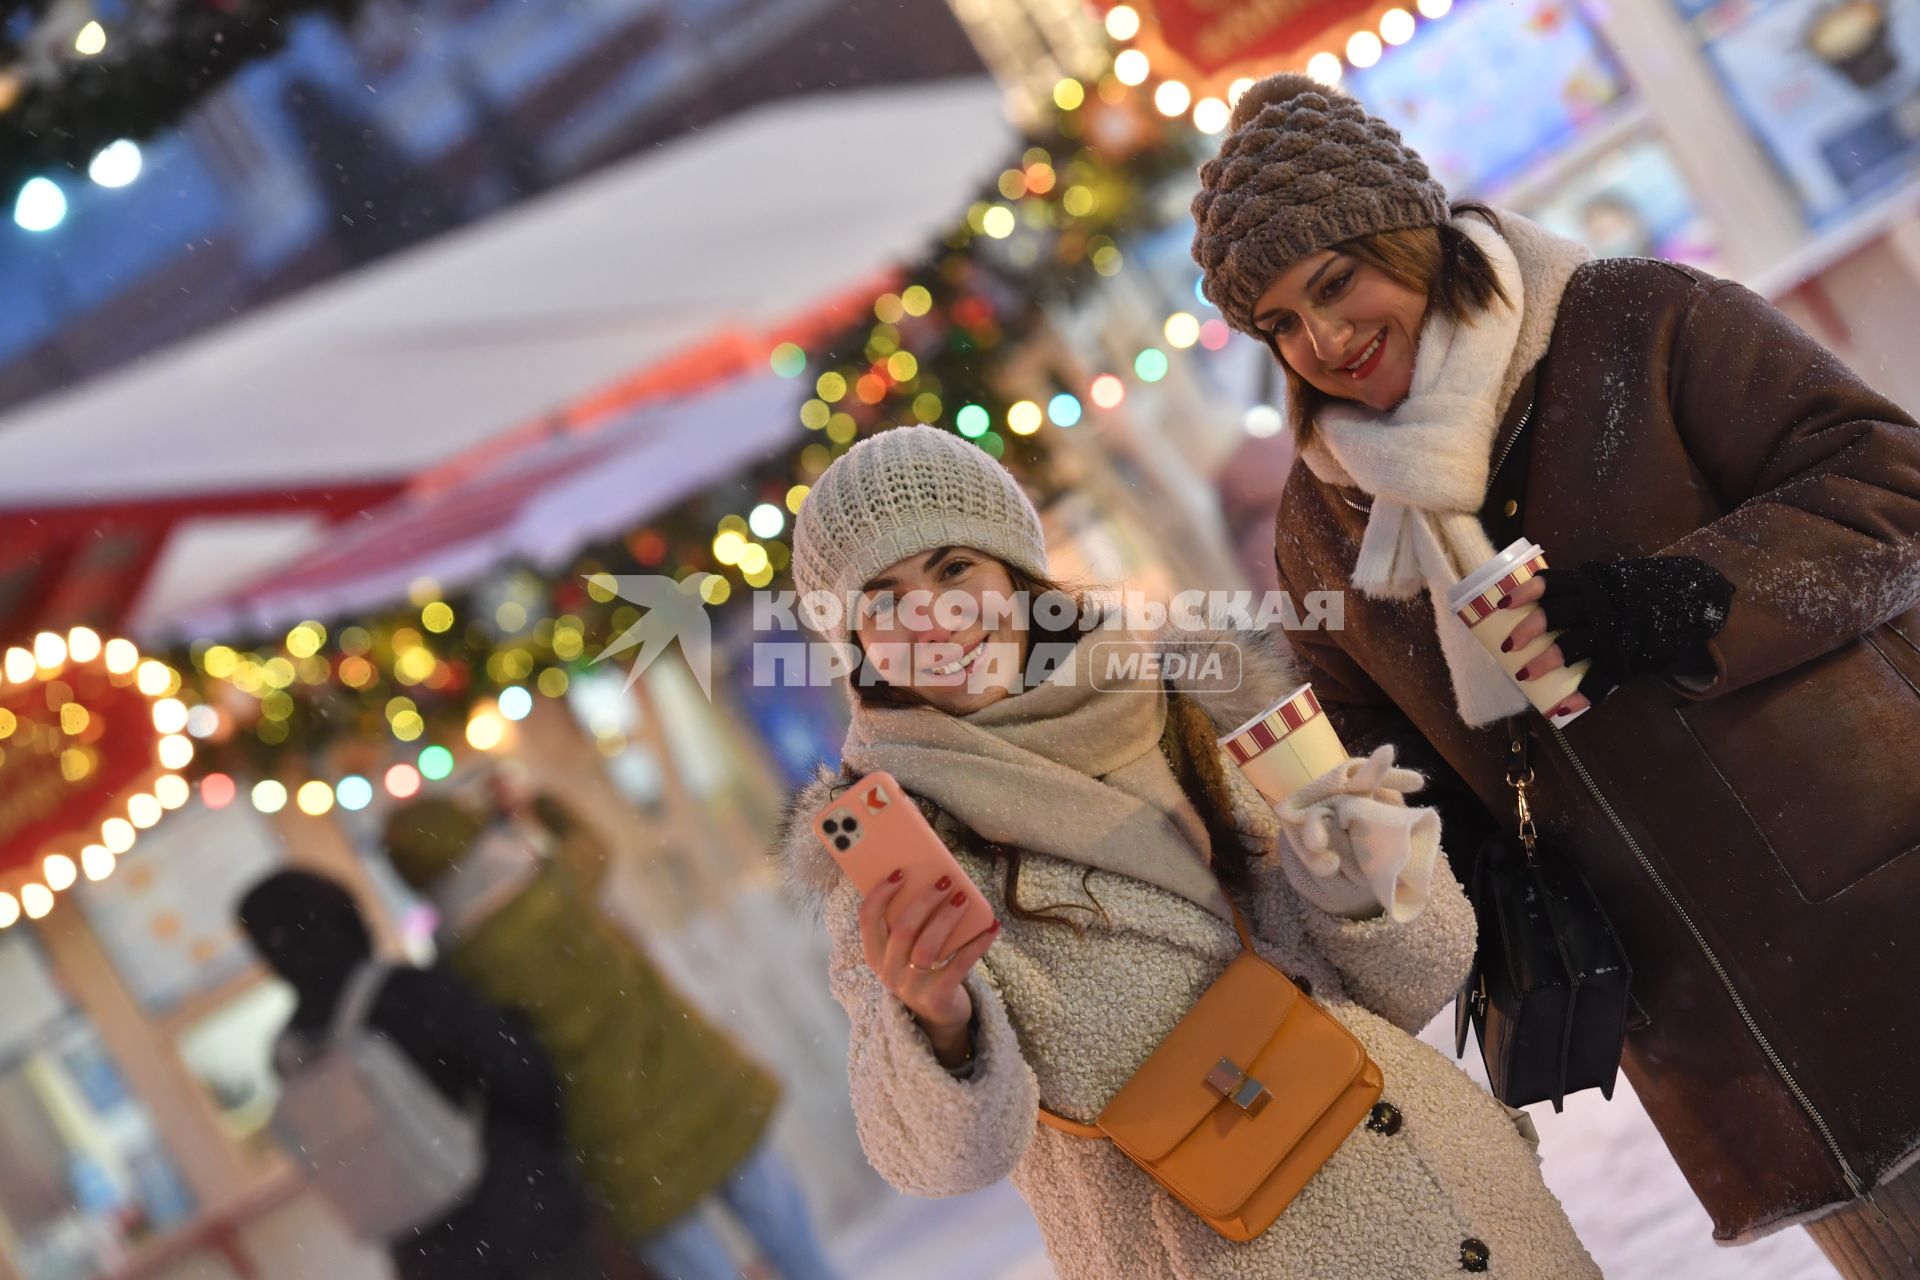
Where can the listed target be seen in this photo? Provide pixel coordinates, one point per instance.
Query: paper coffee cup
(1475, 600)
(1286, 746)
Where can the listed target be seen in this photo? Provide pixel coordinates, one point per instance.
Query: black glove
(1647, 616)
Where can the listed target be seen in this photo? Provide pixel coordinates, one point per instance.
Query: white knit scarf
(1070, 767)
(1426, 464)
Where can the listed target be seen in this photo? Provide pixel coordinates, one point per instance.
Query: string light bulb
(120, 656)
(217, 791)
(314, 798)
(59, 871)
(268, 797)
(83, 644)
(1210, 115)
(49, 650)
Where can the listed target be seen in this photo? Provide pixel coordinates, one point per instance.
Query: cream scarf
(1426, 462)
(1061, 768)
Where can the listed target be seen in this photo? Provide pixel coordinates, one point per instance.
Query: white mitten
(1354, 848)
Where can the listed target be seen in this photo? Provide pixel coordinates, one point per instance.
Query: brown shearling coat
(1755, 844)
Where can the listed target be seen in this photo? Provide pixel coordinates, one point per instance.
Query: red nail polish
(1506, 646)
(1505, 601)
(1521, 674)
(994, 928)
(895, 877)
(958, 899)
(944, 883)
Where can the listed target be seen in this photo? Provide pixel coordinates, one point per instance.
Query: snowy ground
(1603, 1159)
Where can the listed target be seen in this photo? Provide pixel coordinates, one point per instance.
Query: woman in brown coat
(1736, 521)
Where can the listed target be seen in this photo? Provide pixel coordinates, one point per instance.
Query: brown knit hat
(1303, 167)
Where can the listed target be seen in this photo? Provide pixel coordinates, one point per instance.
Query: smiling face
(1345, 326)
(939, 623)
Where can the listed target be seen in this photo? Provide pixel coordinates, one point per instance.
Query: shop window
(230, 1054)
(84, 1176)
(1831, 88)
(1629, 201)
(165, 917)
(606, 709)
(1493, 89)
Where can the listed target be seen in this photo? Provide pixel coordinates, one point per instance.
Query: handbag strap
(1054, 1120)
(1520, 778)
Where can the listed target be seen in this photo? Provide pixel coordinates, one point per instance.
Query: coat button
(1512, 508)
(1384, 1119)
(1474, 1255)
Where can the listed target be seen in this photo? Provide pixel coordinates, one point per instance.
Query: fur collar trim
(1547, 261)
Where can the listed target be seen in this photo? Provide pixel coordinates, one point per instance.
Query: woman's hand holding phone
(923, 923)
(912, 947)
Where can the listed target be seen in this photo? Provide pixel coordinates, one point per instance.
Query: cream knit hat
(902, 492)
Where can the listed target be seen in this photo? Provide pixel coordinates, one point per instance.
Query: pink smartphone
(874, 828)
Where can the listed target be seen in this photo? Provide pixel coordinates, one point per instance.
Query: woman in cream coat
(1105, 807)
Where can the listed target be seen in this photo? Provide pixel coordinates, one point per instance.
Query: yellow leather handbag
(1244, 1100)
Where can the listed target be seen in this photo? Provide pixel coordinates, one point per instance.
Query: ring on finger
(935, 967)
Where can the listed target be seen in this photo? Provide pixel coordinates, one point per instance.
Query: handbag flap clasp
(1232, 1082)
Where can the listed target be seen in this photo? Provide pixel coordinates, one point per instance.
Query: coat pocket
(1820, 759)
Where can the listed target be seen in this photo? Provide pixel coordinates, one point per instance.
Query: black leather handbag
(1549, 996)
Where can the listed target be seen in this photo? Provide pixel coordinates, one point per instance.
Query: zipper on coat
(1706, 949)
(1526, 416)
(1719, 970)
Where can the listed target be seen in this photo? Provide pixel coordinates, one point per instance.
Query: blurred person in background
(525, 1216)
(1114, 838)
(1735, 521)
(667, 1117)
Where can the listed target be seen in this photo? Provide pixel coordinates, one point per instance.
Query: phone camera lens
(832, 826)
(851, 825)
(842, 843)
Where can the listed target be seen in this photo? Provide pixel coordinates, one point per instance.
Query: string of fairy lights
(464, 667)
(1173, 97)
(69, 741)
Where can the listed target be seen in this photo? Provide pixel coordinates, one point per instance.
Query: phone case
(874, 828)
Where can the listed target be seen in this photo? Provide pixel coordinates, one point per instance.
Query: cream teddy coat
(1067, 1016)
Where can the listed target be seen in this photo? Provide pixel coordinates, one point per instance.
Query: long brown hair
(1442, 262)
(1188, 742)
